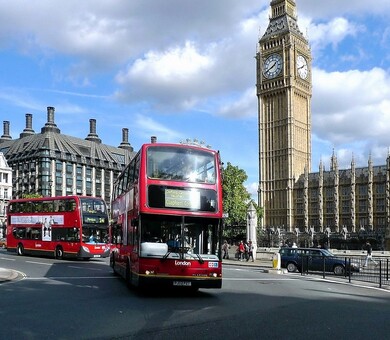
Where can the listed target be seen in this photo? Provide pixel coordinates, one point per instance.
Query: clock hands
(272, 66)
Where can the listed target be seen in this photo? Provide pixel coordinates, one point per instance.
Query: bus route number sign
(187, 199)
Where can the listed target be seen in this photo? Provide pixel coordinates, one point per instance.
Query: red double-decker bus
(66, 226)
(167, 218)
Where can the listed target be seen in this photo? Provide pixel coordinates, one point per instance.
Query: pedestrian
(250, 251)
(369, 255)
(225, 248)
(241, 251)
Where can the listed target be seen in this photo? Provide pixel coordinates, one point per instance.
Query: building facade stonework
(350, 205)
(53, 164)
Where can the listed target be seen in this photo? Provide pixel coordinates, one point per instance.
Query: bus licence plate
(182, 283)
(96, 255)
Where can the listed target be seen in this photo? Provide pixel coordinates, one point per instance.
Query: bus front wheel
(59, 253)
(20, 249)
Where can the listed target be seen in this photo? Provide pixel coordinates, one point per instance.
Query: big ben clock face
(302, 67)
(273, 66)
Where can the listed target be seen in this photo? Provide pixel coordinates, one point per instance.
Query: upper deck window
(181, 164)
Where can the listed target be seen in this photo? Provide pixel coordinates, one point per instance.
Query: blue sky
(182, 69)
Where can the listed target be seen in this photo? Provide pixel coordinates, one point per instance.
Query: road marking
(69, 278)
(84, 268)
(271, 279)
(359, 285)
(34, 262)
(6, 258)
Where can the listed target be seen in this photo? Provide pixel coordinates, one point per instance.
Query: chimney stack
(125, 140)
(153, 139)
(50, 126)
(92, 136)
(28, 131)
(6, 135)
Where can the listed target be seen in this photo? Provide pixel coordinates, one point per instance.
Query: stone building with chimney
(53, 164)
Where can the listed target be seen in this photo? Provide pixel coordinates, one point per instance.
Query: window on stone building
(329, 207)
(380, 188)
(363, 190)
(345, 207)
(380, 205)
(362, 206)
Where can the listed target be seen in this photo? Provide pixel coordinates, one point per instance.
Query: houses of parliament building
(343, 206)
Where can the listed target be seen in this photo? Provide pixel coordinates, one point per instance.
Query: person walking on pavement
(225, 248)
(241, 250)
(369, 255)
(250, 251)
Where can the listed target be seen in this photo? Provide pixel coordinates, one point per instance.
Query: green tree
(235, 195)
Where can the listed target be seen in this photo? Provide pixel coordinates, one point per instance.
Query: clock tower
(284, 90)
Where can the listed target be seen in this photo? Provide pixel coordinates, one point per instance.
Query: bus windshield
(95, 220)
(179, 164)
(184, 236)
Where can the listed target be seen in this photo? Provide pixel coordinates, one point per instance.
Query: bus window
(70, 205)
(19, 233)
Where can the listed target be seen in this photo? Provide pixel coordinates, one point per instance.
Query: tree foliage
(235, 195)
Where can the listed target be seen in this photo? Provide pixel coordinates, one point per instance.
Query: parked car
(3, 242)
(313, 259)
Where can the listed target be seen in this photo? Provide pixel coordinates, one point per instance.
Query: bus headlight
(86, 249)
(149, 272)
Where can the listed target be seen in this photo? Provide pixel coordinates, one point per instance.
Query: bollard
(276, 261)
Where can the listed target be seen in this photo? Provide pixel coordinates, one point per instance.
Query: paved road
(84, 300)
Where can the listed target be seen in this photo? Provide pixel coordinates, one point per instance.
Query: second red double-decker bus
(167, 218)
(66, 226)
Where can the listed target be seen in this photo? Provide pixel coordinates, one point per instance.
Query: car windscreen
(327, 252)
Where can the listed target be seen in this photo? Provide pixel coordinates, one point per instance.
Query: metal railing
(376, 271)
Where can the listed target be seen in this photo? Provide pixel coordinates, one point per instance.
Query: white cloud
(147, 127)
(351, 111)
(252, 189)
(170, 68)
(243, 106)
(332, 32)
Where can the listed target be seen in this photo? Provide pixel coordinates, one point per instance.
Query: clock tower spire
(284, 92)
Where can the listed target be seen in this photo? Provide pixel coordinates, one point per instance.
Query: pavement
(7, 275)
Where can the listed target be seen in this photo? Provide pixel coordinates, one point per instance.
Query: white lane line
(6, 258)
(34, 262)
(68, 278)
(244, 279)
(98, 269)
